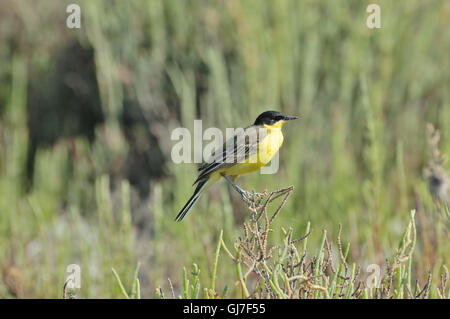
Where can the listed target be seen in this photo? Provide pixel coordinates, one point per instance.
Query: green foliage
(135, 288)
(282, 272)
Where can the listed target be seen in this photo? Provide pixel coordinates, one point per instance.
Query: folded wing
(235, 150)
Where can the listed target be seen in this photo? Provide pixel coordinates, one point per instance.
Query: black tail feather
(190, 203)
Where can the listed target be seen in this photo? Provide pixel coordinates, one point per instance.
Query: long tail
(194, 198)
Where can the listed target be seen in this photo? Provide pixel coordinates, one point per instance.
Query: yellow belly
(267, 149)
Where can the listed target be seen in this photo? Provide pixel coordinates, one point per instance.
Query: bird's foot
(247, 197)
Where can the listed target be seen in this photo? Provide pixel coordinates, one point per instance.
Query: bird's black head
(272, 117)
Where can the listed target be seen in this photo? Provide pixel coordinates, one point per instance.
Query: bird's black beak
(288, 118)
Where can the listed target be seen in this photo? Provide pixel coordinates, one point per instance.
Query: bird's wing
(235, 150)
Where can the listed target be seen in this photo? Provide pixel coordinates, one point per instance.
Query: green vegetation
(356, 157)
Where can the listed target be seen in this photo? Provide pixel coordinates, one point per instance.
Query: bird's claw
(248, 197)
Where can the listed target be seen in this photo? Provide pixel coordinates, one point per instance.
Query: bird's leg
(244, 194)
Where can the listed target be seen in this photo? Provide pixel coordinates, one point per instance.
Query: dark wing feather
(236, 149)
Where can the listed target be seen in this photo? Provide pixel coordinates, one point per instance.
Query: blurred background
(86, 115)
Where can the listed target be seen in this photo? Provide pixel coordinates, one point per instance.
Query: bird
(248, 150)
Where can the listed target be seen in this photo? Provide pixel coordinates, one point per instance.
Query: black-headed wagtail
(247, 151)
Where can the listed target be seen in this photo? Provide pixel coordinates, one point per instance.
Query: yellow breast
(267, 148)
(270, 145)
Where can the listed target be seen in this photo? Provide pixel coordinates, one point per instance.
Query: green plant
(289, 270)
(135, 292)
